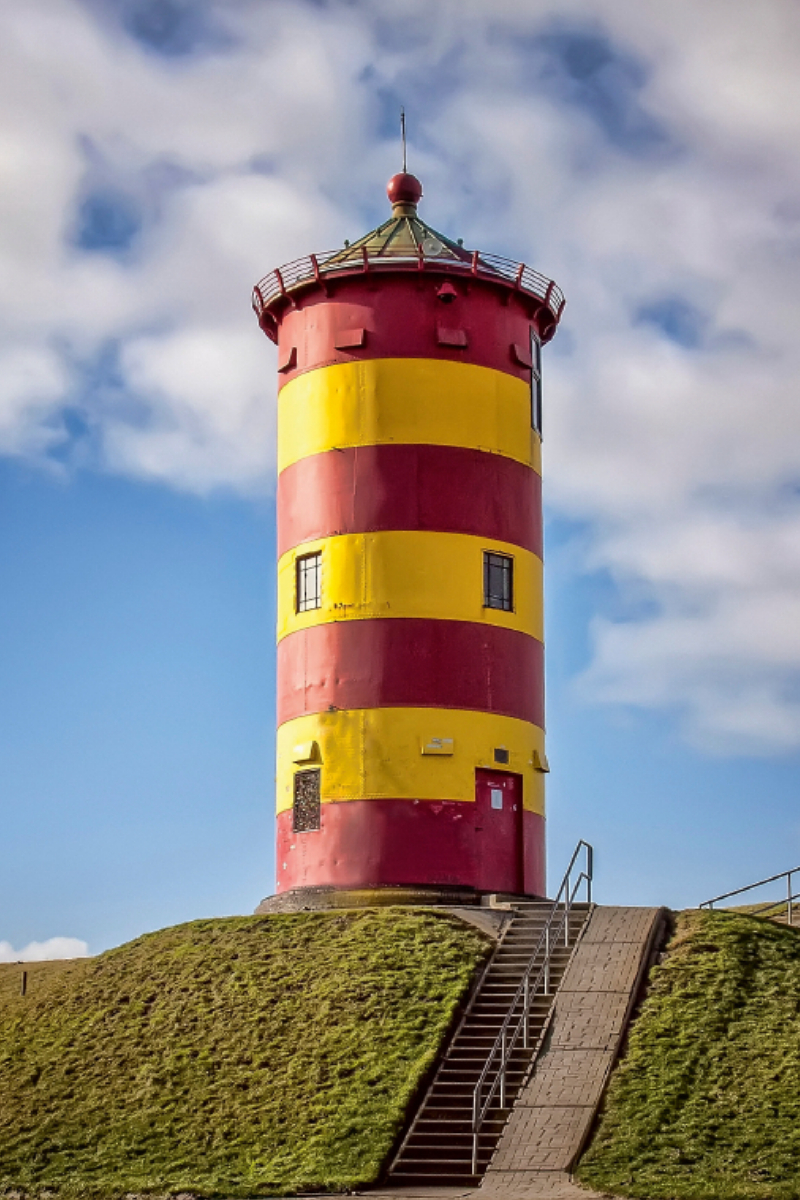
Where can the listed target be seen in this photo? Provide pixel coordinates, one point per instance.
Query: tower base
(320, 899)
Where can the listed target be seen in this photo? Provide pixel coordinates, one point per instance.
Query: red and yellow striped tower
(410, 654)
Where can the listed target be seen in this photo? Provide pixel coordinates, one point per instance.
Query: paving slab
(612, 923)
(515, 1185)
(588, 1020)
(540, 1185)
(603, 966)
(564, 1078)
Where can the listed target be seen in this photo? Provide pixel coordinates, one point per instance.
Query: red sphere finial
(404, 189)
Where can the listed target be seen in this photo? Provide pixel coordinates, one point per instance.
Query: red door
(498, 831)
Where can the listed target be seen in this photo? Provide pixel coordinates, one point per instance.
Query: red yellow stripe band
(391, 842)
(408, 319)
(449, 489)
(408, 401)
(375, 753)
(401, 573)
(411, 663)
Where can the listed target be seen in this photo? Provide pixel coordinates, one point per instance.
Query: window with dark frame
(306, 815)
(498, 581)
(308, 583)
(536, 383)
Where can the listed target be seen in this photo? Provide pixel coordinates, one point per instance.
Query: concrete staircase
(437, 1150)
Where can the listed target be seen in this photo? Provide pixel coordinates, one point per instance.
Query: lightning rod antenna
(403, 135)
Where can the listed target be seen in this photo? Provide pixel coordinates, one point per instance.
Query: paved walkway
(553, 1185)
(553, 1114)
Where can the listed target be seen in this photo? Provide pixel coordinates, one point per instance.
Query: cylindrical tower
(410, 744)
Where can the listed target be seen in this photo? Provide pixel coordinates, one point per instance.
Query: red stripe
(447, 489)
(534, 854)
(411, 663)
(405, 318)
(379, 843)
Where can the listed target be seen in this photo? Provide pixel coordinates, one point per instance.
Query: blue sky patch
(677, 319)
(108, 222)
(585, 69)
(173, 28)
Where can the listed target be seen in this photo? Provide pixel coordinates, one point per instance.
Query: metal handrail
(506, 1040)
(789, 901)
(486, 266)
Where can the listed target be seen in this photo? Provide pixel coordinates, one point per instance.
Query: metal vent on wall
(306, 811)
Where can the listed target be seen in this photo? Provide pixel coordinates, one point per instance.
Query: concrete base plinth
(312, 899)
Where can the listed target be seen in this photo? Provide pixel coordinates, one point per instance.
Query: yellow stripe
(376, 753)
(407, 401)
(409, 573)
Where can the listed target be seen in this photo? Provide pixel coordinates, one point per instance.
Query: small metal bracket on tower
(306, 752)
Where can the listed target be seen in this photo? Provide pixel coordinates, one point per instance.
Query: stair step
(423, 1141)
(442, 1166)
(470, 1080)
(443, 1112)
(454, 1179)
(428, 1163)
(441, 1126)
(421, 1155)
(465, 1063)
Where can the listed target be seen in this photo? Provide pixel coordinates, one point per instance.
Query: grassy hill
(235, 1057)
(706, 1102)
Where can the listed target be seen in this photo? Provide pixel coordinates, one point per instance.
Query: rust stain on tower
(410, 743)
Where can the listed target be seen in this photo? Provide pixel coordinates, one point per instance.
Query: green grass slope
(706, 1102)
(233, 1057)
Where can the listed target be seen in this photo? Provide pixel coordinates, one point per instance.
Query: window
(498, 581)
(536, 383)
(306, 809)
(309, 582)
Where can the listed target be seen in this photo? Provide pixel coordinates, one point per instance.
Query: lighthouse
(410, 644)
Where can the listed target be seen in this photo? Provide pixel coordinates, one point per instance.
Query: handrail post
(503, 1071)
(547, 961)
(525, 1010)
(566, 913)
(789, 899)
(589, 872)
(475, 1127)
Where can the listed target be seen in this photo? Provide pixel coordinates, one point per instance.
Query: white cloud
(681, 461)
(32, 383)
(55, 947)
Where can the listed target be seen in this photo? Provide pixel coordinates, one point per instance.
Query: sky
(157, 157)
